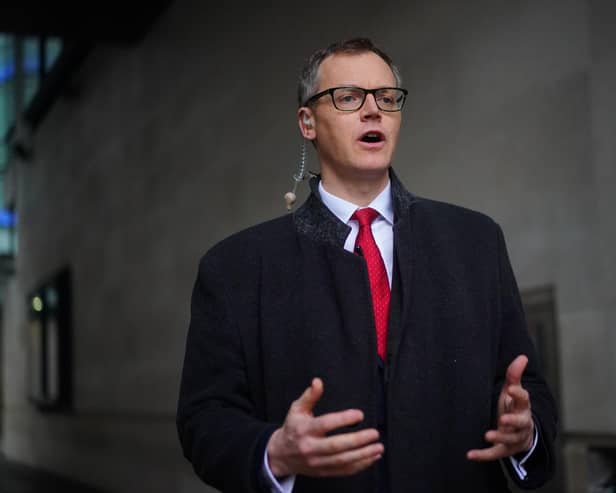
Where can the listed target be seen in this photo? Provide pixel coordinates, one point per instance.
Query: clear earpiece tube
(301, 175)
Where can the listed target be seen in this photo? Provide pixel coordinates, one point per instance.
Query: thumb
(310, 397)
(516, 369)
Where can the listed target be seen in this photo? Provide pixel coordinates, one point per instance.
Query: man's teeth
(371, 138)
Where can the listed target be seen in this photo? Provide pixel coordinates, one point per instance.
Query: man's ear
(305, 119)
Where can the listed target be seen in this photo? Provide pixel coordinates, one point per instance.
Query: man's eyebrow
(382, 86)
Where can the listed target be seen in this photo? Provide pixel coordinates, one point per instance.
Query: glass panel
(30, 64)
(31, 85)
(7, 105)
(53, 47)
(9, 108)
(6, 224)
(7, 117)
(31, 58)
(7, 70)
(5, 242)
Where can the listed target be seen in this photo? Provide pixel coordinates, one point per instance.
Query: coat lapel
(403, 262)
(317, 222)
(342, 323)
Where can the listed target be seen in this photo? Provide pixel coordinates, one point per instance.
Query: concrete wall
(190, 135)
(509, 115)
(603, 110)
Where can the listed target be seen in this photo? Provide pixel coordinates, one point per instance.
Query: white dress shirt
(382, 230)
(382, 226)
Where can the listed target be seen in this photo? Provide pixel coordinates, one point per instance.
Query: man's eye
(348, 98)
(387, 98)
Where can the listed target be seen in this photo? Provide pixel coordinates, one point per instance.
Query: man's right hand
(301, 445)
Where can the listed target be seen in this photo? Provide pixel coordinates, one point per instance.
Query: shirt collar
(344, 209)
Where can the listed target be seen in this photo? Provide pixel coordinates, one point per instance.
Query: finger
(495, 452)
(358, 466)
(507, 402)
(331, 421)
(516, 369)
(518, 438)
(345, 442)
(347, 463)
(517, 421)
(310, 397)
(348, 457)
(520, 397)
(347, 470)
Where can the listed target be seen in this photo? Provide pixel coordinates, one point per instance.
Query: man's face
(345, 140)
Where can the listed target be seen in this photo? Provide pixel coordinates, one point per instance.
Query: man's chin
(373, 168)
(369, 174)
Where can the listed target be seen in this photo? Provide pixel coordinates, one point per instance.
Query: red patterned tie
(379, 284)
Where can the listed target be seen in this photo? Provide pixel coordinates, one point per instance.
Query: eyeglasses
(352, 98)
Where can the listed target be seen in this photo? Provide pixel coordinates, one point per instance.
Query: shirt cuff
(518, 465)
(276, 486)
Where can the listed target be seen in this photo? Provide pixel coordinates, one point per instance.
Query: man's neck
(360, 191)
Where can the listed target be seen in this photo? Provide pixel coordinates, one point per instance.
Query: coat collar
(315, 220)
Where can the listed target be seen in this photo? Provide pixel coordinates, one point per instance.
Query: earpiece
(291, 197)
(308, 121)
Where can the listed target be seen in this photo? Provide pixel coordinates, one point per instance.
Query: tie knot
(365, 216)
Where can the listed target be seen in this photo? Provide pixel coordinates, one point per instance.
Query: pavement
(18, 478)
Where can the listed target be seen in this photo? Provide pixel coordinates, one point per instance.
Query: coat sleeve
(216, 419)
(515, 340)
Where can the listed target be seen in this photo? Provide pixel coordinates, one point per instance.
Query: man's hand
(515, 428)
(301, 446)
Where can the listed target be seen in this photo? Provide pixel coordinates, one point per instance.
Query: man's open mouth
(372, 137)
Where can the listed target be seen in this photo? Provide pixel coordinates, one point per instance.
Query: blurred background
(135, 137)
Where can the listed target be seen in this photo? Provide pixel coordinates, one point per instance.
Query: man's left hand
(515, 426)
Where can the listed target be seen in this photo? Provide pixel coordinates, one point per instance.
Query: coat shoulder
(450, 211)
(246, 244)
(453, 217)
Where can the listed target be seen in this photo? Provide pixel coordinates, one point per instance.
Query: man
(372, 341)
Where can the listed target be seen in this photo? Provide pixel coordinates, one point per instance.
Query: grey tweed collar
(315, 220)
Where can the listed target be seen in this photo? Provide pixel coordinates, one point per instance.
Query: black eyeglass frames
(351, 98)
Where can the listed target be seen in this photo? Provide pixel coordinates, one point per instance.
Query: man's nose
(370, 108)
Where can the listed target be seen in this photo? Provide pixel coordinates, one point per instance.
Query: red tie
(379, 284)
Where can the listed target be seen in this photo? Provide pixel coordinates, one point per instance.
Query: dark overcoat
(282, 302)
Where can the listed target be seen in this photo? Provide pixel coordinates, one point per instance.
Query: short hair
(309, 75)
